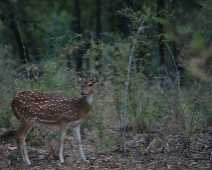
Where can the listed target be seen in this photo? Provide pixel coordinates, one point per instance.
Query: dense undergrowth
(153, 104)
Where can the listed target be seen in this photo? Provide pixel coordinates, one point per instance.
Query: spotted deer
(35, 107)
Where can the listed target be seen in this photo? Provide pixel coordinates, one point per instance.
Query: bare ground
(144, 151)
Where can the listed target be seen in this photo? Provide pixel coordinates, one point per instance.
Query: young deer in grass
(34, 107)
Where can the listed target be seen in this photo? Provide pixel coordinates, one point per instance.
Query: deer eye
(90, 85)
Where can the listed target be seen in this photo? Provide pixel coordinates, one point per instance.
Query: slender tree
(161, 45)
(98, 19)
(98, 34)
(127, 22)
(175, 48)
(78, 54)
(16, 17)
(77, 24)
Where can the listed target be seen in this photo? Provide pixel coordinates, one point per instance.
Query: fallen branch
(199, 152)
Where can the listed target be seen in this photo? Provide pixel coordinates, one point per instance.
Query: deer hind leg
(63, 130)
(76, 131)
(20, 140)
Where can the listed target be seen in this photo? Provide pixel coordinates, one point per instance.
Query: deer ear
(79, 80)
(96, 78)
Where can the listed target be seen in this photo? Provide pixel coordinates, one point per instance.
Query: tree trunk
(175, 48)
(23, 54)
(8, 12)
(162, 52)
(98, 20)
(78, 28)
(98, 35)
(31, 43)
(127, 22)
(76, 56)
(174, 44)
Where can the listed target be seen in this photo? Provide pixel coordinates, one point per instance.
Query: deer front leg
(63, 130)
(20, 144)
(20, 140)
(76, 131)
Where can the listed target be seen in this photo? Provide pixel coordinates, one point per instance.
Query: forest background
(153, 59)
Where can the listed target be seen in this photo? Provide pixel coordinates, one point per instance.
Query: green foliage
(30, 136)
(145, 14)
(13, 155)
(142, 148)
(55, 135)
(8, 111)
(209, 116)
(107, 143)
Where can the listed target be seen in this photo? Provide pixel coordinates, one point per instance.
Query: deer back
(48, 109)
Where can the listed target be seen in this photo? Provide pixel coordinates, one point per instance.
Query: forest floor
(144, 151)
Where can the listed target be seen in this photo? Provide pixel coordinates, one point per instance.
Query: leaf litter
(144, 151)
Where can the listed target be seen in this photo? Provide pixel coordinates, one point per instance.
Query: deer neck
(85, 102)
(89, 99)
